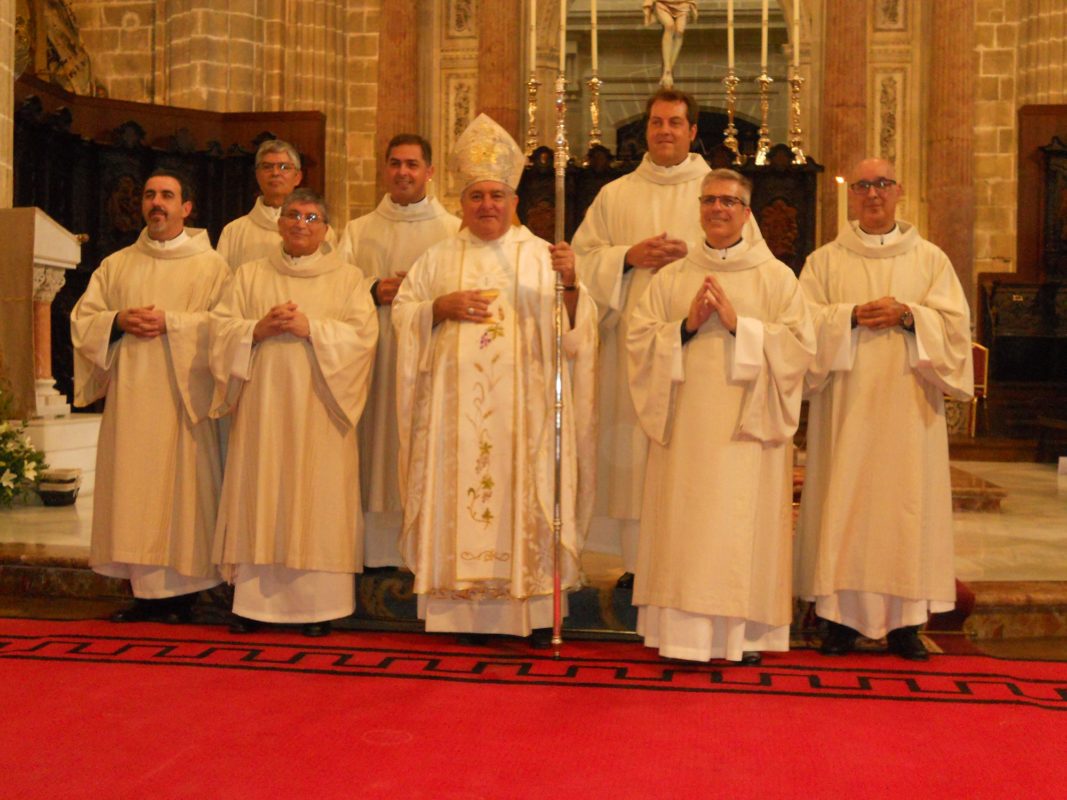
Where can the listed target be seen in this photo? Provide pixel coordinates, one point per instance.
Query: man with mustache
(384, 244)
(874, 536)
(718, 348)
(140, 335)
(255, 235)
(475, 332)
(637, 225)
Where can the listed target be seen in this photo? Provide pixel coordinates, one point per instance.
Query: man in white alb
(718, 347)
(140, 335)
(637, 224)
(255, 235)
(384, 244)
(874, 537)
(294, 340)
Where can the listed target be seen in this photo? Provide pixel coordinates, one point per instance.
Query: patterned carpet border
(1001, 683)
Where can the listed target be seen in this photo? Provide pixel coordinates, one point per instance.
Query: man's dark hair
(692, 110)
(183, 182)
(410, 138)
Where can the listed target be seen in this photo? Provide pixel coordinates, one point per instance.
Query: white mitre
(486, 152)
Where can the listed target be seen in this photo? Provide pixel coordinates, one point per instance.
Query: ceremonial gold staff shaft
(562, 156)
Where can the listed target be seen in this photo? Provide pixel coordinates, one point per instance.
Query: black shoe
(905, 642)
(541, 639)
(625, 582)
(472, 639)
(178, 610)
(840, 639)
(142, 610)
(751, 658)
(244, 625)
(316, 629)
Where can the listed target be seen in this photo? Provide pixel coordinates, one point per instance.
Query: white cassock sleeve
(600, 262)
(940, 350)
(90, 327)
(656, 365)
(231, 346)
(835, 349)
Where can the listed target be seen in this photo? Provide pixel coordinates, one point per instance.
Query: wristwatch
(907, 320)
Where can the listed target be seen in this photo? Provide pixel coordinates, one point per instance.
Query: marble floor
(1026, 540)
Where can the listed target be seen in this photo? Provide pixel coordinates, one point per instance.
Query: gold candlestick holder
(764, 146)
(563, 151)
(532, 86)
(795, 143)
(594, 85)
(730, 82)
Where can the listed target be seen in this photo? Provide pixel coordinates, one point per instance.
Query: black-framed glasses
(271, 166)
(880, 185)
(308, 219)
(724, 200)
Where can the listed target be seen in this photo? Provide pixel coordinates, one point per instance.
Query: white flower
(7, 480)
(4, 427)
(31, 471)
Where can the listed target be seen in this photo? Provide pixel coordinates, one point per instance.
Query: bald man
(894, 337)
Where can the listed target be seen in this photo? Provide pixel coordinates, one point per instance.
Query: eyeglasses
(307, 219)
(724, 200)
(880, 185)
(271, 166)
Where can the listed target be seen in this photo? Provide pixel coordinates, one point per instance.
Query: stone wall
(996, 36)
(252, 55)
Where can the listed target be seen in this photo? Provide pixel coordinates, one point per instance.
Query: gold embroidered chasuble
(876, 512)
(158, 465)
(291, 490)
(475, 405)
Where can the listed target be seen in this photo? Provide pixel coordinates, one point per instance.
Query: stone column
(47, 281)
(844, 101)
(7, 100)
(398, 79)
(949, 144)
(500, 43)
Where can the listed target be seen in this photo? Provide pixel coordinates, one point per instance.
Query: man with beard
(140, 335)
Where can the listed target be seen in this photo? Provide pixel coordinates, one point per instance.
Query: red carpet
(94, 710)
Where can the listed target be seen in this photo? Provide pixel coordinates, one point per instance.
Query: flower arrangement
(20, 461)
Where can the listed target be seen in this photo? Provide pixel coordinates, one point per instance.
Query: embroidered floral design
(479, 495)
(494, 331)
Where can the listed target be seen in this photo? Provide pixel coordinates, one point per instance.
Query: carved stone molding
(462, 20)
(47, 281)
(890, 15)
(890, 94)
(460, 94)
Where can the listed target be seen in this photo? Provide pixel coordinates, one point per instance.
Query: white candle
(763, 39)
(730, 35)
(842, 203)
(533, 36)
(796, 33)
(562, 36)
(592, 22)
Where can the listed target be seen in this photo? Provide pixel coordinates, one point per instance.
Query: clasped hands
(711, 299)
(144, 322)
(472, 305)
(656, 252)
(283, 318)
(885, 312)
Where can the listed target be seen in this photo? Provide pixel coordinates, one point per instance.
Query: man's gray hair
(306, 196)
(278, 146)
(723, 174)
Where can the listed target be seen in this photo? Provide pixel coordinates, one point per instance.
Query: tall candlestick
(842, 204)
(533, 35)
(592, 29)
(796, 33)
(730, 35)
(562, 36)
(763, 38)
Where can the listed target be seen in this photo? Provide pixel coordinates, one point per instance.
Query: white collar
(736, 249)
(169, 244)
(879, 239)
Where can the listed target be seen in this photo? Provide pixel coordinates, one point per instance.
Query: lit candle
(533, 36)
(592, 21)
(763, 39)
(562, 36)
(730, 35)
(796, 33)
(842, 203)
